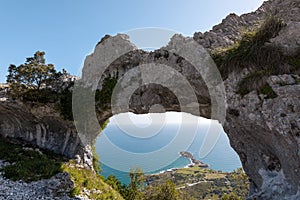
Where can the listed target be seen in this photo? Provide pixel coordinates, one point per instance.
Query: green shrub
(28, 165)
(118, 186)
(268, 91)
(282, 83)
(251, 51)
(165, 191)
(96, 160)
(74, 192)
(103, 96)
(65, 104)
(254, 53)
(253, 81)
(256, 81)
(295, 60)
(41, 96)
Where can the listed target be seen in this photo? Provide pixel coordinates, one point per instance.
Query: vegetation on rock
(85, 179)
(38, 82)
(27, 163)
(251, 51)
(31, 164)
(103, 96)
(262, 59)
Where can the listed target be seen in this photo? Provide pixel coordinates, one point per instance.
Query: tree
(137, 180)
(34, 75)
(117, 185)
(165, 191)
(114, 182)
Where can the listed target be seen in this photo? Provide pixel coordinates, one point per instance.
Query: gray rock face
(232, 27)
(151, 93)
(41, 126)
(264, 132)
(288, 38)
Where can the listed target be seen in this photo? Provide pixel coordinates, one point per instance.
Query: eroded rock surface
(232, 27)
(42, 126)
(264, 131)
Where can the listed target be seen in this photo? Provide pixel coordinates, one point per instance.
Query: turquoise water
(120, 150)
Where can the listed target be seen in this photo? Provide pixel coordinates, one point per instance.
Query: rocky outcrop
(97, 67)
(264, 131)
(43, 127)
(289, 38)
(57, 187)
(233, 26)
(3, 91)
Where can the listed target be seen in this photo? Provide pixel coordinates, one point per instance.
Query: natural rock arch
(263, 131)
(253, 124)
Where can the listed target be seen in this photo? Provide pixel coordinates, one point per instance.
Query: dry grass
(255, 53)
(251, 51)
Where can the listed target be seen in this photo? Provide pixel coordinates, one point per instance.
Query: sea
(152, 142)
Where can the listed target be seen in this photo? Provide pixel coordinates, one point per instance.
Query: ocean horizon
(136, 151)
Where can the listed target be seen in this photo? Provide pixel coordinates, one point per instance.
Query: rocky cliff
(263, 123)
(264, 129)
(42, 126)
(265, 133)
(233, 26)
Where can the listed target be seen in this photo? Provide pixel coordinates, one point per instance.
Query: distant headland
(192, 159)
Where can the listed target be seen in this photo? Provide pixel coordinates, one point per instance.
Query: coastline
(193, 162)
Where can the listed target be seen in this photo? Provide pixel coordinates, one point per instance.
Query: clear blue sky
(68, 30)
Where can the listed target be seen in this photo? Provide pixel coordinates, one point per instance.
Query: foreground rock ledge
(43, 127)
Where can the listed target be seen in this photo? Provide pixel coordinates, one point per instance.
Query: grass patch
(251, 51)
(210, 176)
(295, 60)
(297, 79)
(28, 164)
(282, 83)
(96, 159)
(257, 80)
(191, 170)
(268, 91)
(253, 81)
(254, 53)
(88, 179)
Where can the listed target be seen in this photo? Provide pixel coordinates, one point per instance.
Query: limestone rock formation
(43, 127)
(264, 131)
(232, 27)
